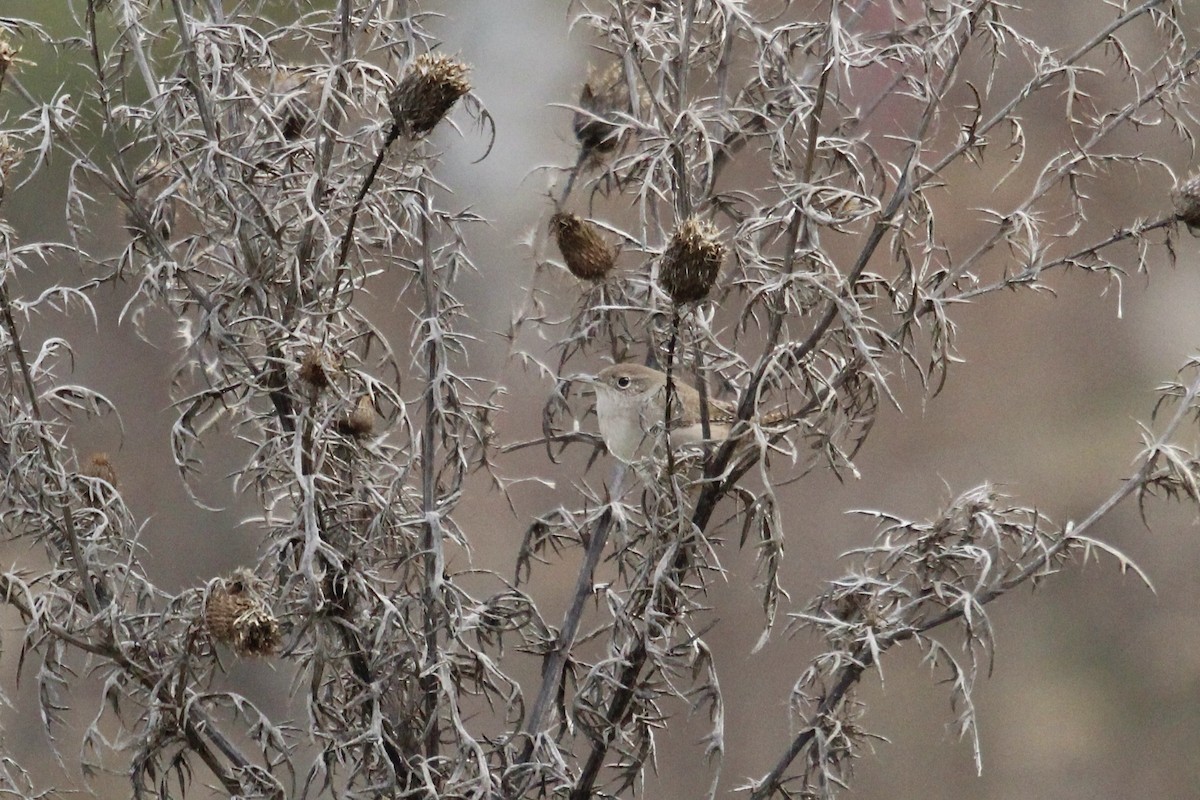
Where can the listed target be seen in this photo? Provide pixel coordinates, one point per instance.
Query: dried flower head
(8, 56)
(227, 599)
(584, 250)
(361, 421)
(430, 87)
(99, 466)
(234, 614)
(1187, 202)
(604, 96)
(315, 368)
(256, 632)
(692, 260)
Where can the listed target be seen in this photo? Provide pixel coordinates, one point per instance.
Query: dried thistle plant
(814, 161)
(235, 614)
(583, 248)
(693, 258)
(360, 421)
(429, 88)
(8, 57)
(155, 205)
(1187, 202)
(100, 466)
(316, 368)
(604, 97)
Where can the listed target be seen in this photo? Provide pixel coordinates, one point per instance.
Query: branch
(432, 532)
(862, 657)
(64, 507)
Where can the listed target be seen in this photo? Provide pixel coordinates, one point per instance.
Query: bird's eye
(624, 381)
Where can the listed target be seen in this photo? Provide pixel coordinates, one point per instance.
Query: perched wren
(630, 405)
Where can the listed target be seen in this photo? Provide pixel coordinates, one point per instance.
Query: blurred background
(1096, 687)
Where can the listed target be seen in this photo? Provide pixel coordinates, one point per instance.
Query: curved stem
(347, 237)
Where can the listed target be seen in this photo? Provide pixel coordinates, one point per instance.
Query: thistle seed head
(584, 250)
(315, 368)
(430, 87)
(360, 422)
(235, 615)
(227, 599)
(1187, 202)
(8, 56)
(693, 258)
(256, 632)
(99, 466)
(604, 96)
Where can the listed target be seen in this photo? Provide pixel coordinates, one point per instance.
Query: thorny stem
(193, 76)
(796, 224)
(280, 398)
(132, 30)
(737, 139)
(432, 545)
(717, 465)
(580, 160)
(196, 743)
(97, 62)
(1031, 272)
(733, 475)
(669, 390)
(618, 708)
(702, 390)
(356, 651)
(344, 248)
(714, 489)
(198, 729)
(196, 723)
(1038, 82)
(900, 195)
(1047, 181)
(683, 189)
(863, 658)
(64, 508)
(198, 726)
(555, 661)
(328, 120)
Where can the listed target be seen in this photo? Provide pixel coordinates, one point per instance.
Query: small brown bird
(630, 405)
